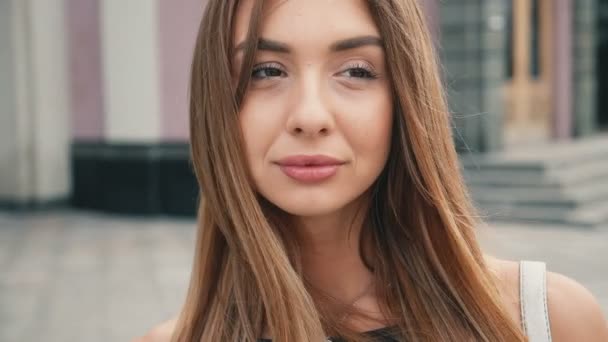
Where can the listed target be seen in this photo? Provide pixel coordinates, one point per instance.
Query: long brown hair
(433, 283)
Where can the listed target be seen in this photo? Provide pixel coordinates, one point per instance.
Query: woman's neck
(331, 258)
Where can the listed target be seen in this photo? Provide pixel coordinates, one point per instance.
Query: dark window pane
(509, 33)
(535, 40)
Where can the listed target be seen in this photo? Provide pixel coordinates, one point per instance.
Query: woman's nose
(311, 115)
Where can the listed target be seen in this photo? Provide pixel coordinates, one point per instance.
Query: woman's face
(317, 115)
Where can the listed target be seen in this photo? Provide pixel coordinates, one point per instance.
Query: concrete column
(10, 160)
(34, 110)
(131, 62)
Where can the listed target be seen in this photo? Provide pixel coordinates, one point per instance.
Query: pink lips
(310, 168)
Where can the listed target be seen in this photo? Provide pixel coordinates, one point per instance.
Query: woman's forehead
(307, 21)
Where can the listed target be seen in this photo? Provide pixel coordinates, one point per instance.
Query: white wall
(130, 59)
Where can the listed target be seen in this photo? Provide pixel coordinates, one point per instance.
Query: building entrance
(527, 91)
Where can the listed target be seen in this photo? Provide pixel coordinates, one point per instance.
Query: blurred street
(78, 276)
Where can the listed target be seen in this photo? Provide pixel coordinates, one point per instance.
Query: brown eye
(360, 71)
(266, 71)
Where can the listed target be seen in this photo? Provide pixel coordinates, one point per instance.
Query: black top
(386, 334)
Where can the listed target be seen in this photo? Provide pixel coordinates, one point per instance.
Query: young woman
(332, 201)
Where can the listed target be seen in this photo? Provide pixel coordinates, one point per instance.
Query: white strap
(533, 300)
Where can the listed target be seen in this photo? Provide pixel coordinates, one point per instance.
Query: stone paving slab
(78, 276)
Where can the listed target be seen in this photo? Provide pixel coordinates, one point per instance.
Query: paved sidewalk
(76, 276)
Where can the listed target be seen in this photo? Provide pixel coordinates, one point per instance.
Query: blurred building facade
(523, 72)
(94, 93)
(93, 104)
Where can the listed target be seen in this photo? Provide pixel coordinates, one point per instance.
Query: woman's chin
(309, 210)
(316, 206)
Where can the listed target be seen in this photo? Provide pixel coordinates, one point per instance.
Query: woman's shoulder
(160, 333)
(574, 313)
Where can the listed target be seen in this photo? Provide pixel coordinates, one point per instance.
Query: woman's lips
(310, 169)
(310, 173)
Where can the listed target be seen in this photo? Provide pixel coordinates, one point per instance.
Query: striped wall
(129, 67)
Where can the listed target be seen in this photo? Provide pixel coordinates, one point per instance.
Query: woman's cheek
(368, 123)
(261, 125)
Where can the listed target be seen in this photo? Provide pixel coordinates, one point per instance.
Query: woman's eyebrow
(337, 46)
(352, 43)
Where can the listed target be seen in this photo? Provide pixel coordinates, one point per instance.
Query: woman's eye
(265, 72)
(361, 72)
